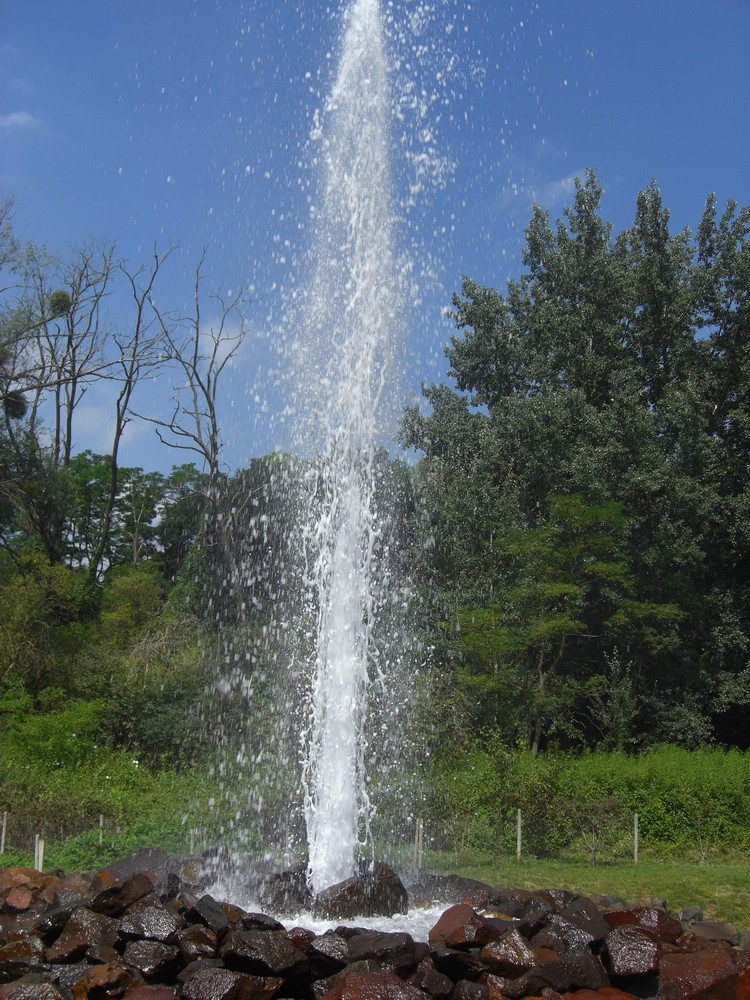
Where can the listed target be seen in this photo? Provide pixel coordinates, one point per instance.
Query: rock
(462, 927)
(150, 993)
(457, 964)
(152, 923)
(690, 913)
(446, 889)
(393, 951)
(379, 893)
(328, 954)
(583, 913)
(20, 957)
(285, 892)
(467, 990)
(31, 991)
(715, 930)
(260, 922)
(207, 911)
(85, 930)
(429, 980)
(631, 950)
(373, 986)
(563, 936)
(103, 981)
(155, 961)
(212, 983)
(195, 942)
(113, 899)
(18, 899)
(263, 953)
(152, 860)
(708, 974)
(509, 955)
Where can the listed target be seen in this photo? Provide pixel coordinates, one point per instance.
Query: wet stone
(509, 956)
(328, 953)
(152, 923)
(196, 941)
(213, 983)
(462, 927)
(709, 973)
(394, 951)
(429, 980)
(373, 986)
(207, 911)
(263, 953)
(457, 964)
(114, 899)
(154, 960)
(631, 951)
(103, 981)
(84, 930)
(467, 990)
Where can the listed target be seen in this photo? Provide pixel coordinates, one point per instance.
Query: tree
(589, 378)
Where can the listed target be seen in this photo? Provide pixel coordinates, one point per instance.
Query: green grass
(721, 889)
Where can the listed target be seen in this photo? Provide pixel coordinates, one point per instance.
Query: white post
(420, 864)
(2, 834)
(40, 866)
(635, 839)
(36, 852)
(192, 842)
(101, 829)
(518, 836)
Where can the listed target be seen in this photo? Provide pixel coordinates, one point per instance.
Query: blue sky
(187, 121)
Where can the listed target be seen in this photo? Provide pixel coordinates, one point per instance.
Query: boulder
(210, 982)
(373, 986)
(263, 953)
(394, 952)
(379, 893)
(631, 950)
(708, 974)
(510, 955)
(461, 926)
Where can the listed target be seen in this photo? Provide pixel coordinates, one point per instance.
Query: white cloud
(19, 120)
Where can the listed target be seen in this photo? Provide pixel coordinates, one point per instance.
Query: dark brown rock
(462, 927)
(103, 982)
(631, 950)
(583, 913)
(213, 983)
(465, 989)
(207, 911)
(716, 930)
(196, 941)
(156, 961)
(83, 931)
(370, 894)
(30, 990)
(509, 955)
(563, 936)
(114, 899)
(151, 923)
(394, 951)
(429, 980)
(328, 954)
(263, 953)
(373, 986)
(457, 963)
(150, 993)
(708, 974)
(20, 957)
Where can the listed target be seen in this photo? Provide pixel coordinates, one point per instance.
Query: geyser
(350, 317)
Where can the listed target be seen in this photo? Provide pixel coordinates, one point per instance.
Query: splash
(351, 317)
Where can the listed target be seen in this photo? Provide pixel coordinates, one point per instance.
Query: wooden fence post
(518, 836)
(2, 833)
(635, 839)
(101, 829)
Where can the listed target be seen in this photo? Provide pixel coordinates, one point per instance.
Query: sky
(188, 122)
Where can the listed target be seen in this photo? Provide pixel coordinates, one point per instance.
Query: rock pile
(139, 931)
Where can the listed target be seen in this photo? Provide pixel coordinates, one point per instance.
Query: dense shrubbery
(689, 803)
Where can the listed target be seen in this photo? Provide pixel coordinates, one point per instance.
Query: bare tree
(137, 354)
(201, 354)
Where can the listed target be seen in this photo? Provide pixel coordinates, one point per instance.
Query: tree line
(577, 518)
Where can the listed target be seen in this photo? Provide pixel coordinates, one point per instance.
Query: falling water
(350, 317)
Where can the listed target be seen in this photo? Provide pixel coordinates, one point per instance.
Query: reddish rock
(207, 911)
(263, 953)
(150, 993)
(509, 955)
(373, 986)
(393, 951)
(708, 974)
(114, 899)
(301, 937)
(212, 983)
(379, 893)
(467, 990)
(155, 961)
(19, 899)
(664, 928)
(196, 941)
(462, 927)
(83, 931)
(429, 980)
(103, 981)
(631, 951)
(328, 953)
(606, 993)
(152, 923)
(21, 990)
